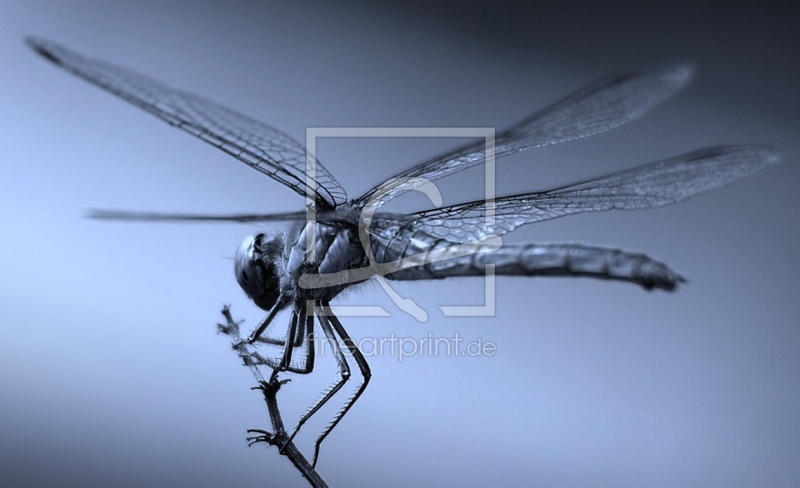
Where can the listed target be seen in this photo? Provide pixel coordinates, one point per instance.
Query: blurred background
(111, 373)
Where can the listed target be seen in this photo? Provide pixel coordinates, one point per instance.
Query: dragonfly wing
(342, 215)
(256, 144)
(594, 109)
(647, 186)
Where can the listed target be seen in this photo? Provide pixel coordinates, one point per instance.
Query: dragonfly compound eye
(255, 272)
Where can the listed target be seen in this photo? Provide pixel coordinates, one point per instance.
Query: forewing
(258, 145)
(652, 185)
(342, 215)
(596, 108)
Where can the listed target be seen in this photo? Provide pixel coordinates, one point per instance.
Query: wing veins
(256, 144)
(597, 108)
(661, 183)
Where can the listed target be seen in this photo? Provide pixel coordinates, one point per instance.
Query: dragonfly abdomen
(554, 260)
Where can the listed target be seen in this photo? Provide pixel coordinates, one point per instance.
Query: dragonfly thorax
(255, 268)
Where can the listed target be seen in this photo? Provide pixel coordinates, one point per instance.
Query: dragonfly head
(255, 269)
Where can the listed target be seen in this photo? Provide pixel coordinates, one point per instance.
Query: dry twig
(269, 387)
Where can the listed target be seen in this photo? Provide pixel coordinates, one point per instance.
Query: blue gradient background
(110, 370)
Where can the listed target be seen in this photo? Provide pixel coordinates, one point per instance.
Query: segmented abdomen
(523, 260)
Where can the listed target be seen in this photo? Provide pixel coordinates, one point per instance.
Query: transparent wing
(344, 214)
(124, 215)
(596, 108)
(652, 185)
(258, 145)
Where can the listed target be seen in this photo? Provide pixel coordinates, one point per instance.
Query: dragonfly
(348, 241)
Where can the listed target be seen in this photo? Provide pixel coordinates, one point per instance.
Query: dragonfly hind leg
(336, 337)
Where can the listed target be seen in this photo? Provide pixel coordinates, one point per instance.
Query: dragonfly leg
(344, 371)
(328, 316)
(300, 338)
(262, 327)
(303, 332)
(286, 355)
(264, 436)
(288, 344)
(336, 336)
